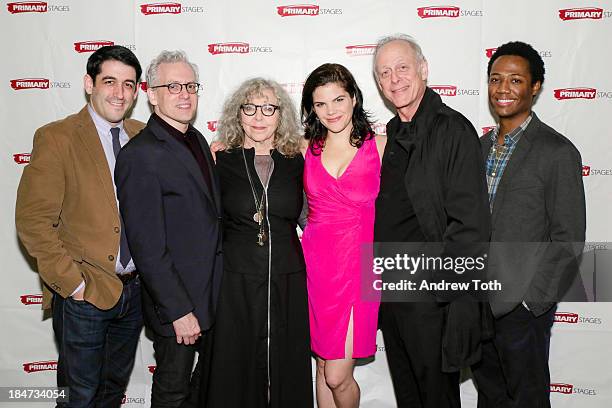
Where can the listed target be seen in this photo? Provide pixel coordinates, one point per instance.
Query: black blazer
(539, 207)
(173, 225)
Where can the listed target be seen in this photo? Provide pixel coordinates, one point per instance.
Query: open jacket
(446, 184)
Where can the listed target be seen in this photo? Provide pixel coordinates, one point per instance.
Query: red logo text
(592, 13)
(27, 7)
(575, 93)
(40, 366)
(298, 10)
(29, 83)
(562, 317)
(228, 48)
(90, 46)
(438, 11)
(160, 8)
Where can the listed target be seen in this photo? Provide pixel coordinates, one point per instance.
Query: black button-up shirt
(396, 219)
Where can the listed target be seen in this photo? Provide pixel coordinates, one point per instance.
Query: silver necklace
(258, 217)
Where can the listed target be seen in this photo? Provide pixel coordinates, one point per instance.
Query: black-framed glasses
(250, 109)
(176, 88)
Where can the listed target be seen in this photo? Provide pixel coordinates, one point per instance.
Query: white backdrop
(48, 42)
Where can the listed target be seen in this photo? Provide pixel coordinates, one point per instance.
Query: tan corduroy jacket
(66, 212)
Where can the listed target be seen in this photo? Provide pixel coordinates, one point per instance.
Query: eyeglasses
(250, 109)
(176, 88)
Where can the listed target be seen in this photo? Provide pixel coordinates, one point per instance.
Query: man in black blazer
(169, 198)
(538, 222)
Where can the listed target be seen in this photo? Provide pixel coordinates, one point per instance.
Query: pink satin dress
(340, 220)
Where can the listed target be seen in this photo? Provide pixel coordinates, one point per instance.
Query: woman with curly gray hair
(259, 351)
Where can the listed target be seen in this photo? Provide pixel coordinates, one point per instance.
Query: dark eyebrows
(104, 78)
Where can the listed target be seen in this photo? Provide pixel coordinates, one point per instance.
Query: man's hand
(187, 329)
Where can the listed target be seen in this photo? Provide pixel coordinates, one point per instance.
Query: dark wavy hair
(314, 131)
(521, 49)
(112, 52)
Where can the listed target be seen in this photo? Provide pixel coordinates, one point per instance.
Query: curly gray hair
(287, 139)
(168, 57)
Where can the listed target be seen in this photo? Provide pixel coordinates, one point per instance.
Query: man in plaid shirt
(536, 199)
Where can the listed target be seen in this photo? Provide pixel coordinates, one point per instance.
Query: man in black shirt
(169, 199)
(433, 190)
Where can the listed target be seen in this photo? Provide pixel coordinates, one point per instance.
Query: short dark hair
(524, 50)
(314, 131)
(112, 52)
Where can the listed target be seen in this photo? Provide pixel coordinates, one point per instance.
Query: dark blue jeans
(97, 347)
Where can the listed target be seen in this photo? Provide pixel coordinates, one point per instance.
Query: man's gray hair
(418, 52)
(168, 57)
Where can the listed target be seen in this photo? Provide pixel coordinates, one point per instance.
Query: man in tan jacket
(67, 218)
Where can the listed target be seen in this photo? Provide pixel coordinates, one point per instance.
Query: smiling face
(113, 92)
(334, 107)
(401, 76)
(178, 110)
(260, 129)
(511, 92)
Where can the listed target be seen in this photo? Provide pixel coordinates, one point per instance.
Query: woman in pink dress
(341, 180)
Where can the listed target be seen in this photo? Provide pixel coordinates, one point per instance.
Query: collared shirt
(189, 139)
(499, 156)
(106, 139)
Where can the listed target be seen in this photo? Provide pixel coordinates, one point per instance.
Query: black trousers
(413, 341)
(514, 370)
(174, 383)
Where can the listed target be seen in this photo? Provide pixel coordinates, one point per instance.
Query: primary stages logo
(37, 366)
(563, 317)
(212, 125)
(575, 93)
(452, 90)
(568, 389)
(90, 46)
(36, 83)
(168, 8)
(305, 10)
(574, 318)
(31, 299)
(590, 13)
(360, 50)
(438, 11)
(235, 48)
(29, 83)
(446, 12)
(544, 54)
(298, 10)
(21, 158)
(581, 93)
(35, 7)
(588, 171)
(132, 400)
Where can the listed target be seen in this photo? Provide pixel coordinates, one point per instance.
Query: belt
(126, 278)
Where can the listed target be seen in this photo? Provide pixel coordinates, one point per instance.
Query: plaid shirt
(499, 156)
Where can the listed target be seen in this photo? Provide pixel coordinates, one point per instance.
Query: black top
(190, 140)
(395, 220)
(242, 254)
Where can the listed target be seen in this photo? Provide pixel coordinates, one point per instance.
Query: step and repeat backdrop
(45, 45)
